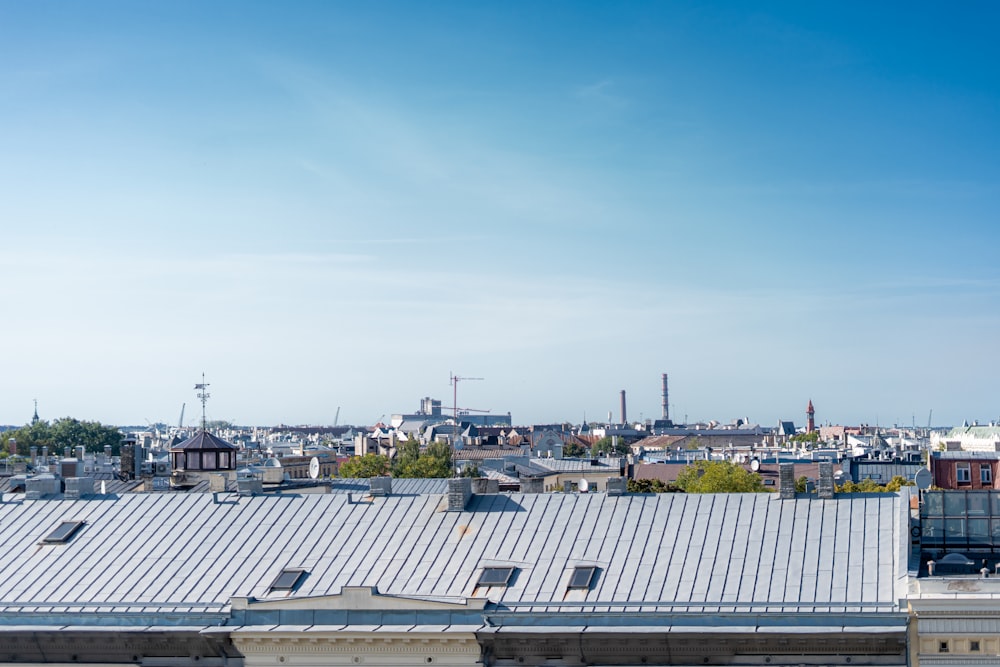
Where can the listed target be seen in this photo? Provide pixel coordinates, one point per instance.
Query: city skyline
(338, 206)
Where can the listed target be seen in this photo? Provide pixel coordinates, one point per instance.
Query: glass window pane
(495, 576)
(933, 503)
(979, 531)
(933, 531)
(954, 529)
(979, 503)
(954, 503)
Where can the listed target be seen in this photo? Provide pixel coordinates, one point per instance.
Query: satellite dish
(754, 465)
(584, 486)
(314, 467)
(923, 478)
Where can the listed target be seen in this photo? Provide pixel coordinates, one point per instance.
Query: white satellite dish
(755, 465)
(584, 486)
(314, 467)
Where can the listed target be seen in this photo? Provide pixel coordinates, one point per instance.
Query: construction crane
(336, 417)
(180, 422)
(454, 379)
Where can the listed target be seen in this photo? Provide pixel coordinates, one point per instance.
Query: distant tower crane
(454, 379)
(180, 422)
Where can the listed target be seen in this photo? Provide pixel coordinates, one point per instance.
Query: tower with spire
(810, 417)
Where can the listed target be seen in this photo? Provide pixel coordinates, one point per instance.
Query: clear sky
(336, 204)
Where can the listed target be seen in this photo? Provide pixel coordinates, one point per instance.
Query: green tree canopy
(606, 447)
(651, 486)
(369, 465)
(434, 461)
(62, 433)
(718, 477)
(871, 486)
(805, 437)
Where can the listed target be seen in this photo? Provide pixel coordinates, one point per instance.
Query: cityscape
(499, 334)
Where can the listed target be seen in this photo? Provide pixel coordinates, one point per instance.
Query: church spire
(34, 419)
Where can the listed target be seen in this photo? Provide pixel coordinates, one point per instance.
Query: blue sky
(338, 204)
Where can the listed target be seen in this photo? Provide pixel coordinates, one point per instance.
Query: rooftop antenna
(203, 395)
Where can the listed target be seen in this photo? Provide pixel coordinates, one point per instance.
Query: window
(582, 577)
(963, 473)
(288, 579)
(495, 576)
(942, 647)
(973, 646)
(64, 532)
(985, 475)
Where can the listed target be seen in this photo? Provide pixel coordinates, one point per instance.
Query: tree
(651, 486)
(574, 450)
(871, 486)
(434, 461)
(812, 436)
(471, 470)
(369, 465)
(610, 446)
(62, 433)
(719, 477)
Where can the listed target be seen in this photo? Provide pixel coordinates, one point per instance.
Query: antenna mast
(203, 395)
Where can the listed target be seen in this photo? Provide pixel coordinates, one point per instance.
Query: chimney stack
(459, 493)
(786, 481)
(624, 417)
(666, 405)
(824, 489)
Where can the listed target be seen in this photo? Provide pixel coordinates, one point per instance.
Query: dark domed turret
(203, 452)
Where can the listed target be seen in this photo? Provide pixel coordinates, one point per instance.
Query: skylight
(495, 576)
(288, 579)
(64, 532)
(582, 577)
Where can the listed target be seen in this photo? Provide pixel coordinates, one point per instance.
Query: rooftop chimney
(824, 488)
(666, 405)
(459, 493)
(786, 481)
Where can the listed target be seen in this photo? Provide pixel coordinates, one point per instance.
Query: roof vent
(76, 487)
(616, 486)
(380, 486)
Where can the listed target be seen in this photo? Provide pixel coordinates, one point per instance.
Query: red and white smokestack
(666, 406)
(624, 417)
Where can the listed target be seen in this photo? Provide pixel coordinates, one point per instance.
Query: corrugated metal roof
(154, 553)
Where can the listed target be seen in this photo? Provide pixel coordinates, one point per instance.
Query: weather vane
(203, 395)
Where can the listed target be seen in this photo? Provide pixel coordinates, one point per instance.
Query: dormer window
(495, 576)
(63, 533)
(582, 577)
(288, 579)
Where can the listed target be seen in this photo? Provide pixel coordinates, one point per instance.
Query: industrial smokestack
(666, 405)
(624, 417)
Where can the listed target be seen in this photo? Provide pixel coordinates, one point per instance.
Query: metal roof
(183, 555)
